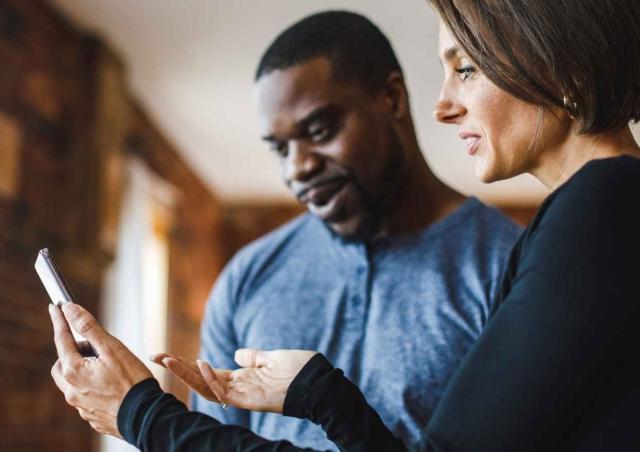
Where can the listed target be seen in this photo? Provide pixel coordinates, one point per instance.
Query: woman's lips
(472, 145)
(472, 140)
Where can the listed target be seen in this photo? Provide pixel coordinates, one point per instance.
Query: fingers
(188, 373)
(158, 358)
(63, 339)
(87, 326)
(58, 377)
(214, 384)
(248, 357)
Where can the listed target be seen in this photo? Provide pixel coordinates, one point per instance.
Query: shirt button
(361, 270)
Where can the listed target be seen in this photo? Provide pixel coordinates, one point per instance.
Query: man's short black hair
(357, 49)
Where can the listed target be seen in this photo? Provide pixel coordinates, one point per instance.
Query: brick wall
(66, 124)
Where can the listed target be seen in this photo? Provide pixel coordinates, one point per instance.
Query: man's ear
(396, 96)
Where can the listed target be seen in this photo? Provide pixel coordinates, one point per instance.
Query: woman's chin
(484, 172)
(488, 171)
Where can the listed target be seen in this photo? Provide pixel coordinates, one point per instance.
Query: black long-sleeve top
(557, 367)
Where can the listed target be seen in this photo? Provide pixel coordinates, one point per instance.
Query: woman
(547, 88)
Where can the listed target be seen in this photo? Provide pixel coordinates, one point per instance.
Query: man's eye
(320, 133)
(466, 72)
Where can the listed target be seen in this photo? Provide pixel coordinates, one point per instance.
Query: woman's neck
(557, 166)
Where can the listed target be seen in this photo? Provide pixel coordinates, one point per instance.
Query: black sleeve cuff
(128, 413)
(296, 399)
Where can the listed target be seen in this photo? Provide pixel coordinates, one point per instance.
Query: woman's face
(506, 136)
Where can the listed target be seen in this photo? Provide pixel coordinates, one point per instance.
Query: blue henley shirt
(397, 314)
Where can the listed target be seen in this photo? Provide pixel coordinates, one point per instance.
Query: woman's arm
(323, 395)
(296, 383)
(153, 420)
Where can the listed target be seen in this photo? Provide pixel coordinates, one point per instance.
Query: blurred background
(129, 147)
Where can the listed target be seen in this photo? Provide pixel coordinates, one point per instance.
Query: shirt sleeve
(218, 343)
(153, 420)
(326, 397)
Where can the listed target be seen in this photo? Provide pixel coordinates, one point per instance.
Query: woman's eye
(466, 72)
(280, 148)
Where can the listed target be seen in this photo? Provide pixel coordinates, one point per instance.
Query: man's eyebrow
(317, 113)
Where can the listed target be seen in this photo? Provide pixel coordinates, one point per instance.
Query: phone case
(52, 279)
(59, 293)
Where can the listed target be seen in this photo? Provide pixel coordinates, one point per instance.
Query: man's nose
(302, 163)
(448, 110)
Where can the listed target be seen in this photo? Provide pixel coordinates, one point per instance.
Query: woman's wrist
(298, 398)
(128, 413)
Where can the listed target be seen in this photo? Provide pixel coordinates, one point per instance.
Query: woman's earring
(571, 107)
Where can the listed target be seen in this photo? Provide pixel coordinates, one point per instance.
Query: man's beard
(376, 206)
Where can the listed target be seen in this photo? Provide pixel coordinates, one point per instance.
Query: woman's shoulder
(599, 185)
(606, 176)
(602, 195)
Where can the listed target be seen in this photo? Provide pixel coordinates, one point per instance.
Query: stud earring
(571, 107)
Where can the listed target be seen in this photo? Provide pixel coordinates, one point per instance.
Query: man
(392, 273)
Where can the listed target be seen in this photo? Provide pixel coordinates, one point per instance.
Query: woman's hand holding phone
(94, 386)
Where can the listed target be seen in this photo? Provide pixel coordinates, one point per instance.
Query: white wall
(192, 62)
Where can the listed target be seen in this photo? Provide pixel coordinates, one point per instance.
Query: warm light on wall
(10, 141)
(135, 298)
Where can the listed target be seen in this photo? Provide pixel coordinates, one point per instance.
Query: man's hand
(261, 384)
(94, 386)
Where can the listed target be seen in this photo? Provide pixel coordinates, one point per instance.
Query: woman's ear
(396, 96)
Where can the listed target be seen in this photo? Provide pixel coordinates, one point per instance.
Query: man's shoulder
(294, 236)
(486, 222)
(273, 252)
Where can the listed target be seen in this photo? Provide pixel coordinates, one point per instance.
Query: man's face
(340, 152)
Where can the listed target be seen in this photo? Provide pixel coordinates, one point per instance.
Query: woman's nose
(448, 111)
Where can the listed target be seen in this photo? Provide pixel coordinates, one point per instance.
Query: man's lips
(321, 192)
(472, 140)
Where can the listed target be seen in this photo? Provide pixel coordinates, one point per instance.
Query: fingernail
(50, 309)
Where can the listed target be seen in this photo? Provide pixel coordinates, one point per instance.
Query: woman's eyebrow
(450, 53)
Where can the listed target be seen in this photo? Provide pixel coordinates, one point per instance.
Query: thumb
(249, 357)
(83, 323)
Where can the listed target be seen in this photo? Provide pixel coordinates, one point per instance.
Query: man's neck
(422, 201)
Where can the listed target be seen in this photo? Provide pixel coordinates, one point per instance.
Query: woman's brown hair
(582, 55)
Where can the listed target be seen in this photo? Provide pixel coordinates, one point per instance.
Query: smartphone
(59, 293)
